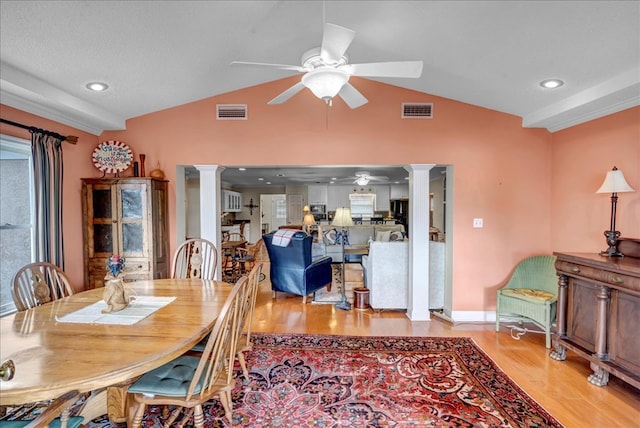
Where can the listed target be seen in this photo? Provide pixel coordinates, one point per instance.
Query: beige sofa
(386, 274)
(358, 236)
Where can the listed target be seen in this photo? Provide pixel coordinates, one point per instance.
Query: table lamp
(614, 183)
(308, 221)
(343, 220)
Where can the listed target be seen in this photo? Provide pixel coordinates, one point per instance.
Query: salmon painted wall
(523, 182)
(77, 164)
(495, 160)
(582, 155)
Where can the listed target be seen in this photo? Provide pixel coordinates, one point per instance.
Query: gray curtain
(46, 151)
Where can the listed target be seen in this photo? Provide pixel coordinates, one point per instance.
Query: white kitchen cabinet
(231, 201)
(399, 191)
(317, 194)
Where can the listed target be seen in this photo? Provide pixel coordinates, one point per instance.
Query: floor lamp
(343, 220)
(614, 183)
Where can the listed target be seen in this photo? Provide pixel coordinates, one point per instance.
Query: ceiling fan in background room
(362, 178)
(327, 69)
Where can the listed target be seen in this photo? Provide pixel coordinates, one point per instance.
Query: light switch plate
(478, 223)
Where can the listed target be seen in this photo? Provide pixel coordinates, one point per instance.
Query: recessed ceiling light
(242, 169)
(280, 175)
(551, 83)
(260, 178)
(268, 182)
(97, 86)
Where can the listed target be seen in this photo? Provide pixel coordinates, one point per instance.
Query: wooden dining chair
(244, 260)
(229, 264)
(56, 414)
(195, 258)
(189, 381)
(246, 318)
(39, 283)
(234, 236)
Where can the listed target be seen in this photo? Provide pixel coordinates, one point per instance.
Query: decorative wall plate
(112, 156)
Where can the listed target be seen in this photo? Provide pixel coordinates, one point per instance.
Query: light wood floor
(560, 387)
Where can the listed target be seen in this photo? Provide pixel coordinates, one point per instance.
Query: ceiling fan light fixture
(362, 181)
(325, 83)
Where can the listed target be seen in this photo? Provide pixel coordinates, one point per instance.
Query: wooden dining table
(53, 357)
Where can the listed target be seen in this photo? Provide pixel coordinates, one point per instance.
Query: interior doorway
(441, 186)
(273, 211)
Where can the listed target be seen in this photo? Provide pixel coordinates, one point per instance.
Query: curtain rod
(70, 138)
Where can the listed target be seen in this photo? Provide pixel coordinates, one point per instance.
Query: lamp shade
(309, 220)
(306, 209)
(325, 83)
(614, 182)
(342, 218)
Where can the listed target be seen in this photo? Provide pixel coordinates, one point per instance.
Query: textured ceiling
(253, 177)
(159, 54)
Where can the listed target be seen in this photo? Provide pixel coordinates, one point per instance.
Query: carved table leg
(559, 352)
(118, 404)
(600, 376)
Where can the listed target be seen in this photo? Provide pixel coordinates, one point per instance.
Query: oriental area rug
(342, 381)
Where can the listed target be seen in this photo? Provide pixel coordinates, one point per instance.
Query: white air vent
(417, 110)
(231, 111)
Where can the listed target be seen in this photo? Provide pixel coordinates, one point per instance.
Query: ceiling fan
(362, 178)
(327, 69)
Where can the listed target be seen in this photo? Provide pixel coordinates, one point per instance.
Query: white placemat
(139, 309)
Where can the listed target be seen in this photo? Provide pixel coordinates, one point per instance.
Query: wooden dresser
(599, 314)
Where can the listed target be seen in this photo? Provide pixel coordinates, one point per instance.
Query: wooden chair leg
(225, 399)
(137, 419)
(198, 417)
(174, 415)
(243, 364)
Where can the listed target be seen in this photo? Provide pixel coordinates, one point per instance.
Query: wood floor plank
(560, 387)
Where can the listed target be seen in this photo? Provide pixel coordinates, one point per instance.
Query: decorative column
(418, 296)
(210, 203)
(559, 352)
(600, 377)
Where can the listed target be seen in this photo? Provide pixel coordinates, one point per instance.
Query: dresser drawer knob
(617, 280)
(575, 269)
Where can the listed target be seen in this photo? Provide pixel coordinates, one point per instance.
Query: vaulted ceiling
(159, 54)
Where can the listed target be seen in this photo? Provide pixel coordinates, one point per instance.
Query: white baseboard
(473, 316)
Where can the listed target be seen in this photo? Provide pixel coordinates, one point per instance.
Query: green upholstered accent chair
(530, 294)
(50, 415)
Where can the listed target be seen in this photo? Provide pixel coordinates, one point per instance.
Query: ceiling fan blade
(335, 41)
(385, 69)
(266, 65)
(352, 96)
(287, 94)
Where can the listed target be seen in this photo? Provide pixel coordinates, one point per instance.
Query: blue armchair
(293, 270)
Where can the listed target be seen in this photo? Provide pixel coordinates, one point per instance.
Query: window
(16, 214)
